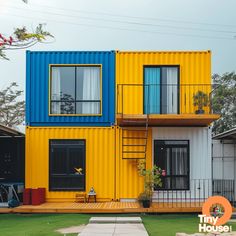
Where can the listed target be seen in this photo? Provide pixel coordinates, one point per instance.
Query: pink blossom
(163, 173)
(10, 40)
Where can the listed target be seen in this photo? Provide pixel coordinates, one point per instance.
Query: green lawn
(46, 224)
(38, 224)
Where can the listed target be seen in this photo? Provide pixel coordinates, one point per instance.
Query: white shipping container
(200, 159)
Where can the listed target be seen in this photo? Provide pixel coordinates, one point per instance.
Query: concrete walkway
(109, 226)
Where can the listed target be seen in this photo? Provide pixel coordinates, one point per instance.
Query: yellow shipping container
(194, 75)
(100, 159)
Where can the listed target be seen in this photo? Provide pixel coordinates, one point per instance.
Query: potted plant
(145, 199)
(152, 178)
(201, 100)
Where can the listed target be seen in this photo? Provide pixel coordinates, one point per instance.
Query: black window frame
(173, 176)
(51, 188)
(178, 89)
(75, 101)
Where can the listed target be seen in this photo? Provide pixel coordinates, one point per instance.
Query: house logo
(216, 211)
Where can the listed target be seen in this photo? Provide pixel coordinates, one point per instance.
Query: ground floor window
(173, 156)
(67, 165)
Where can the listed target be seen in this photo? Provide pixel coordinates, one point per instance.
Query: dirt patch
(71, 230)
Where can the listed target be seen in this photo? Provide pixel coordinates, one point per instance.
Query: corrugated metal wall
(37, 88)
(200, 147)
(195, 68)
(200, 159)
(129, 183)
(223, 156)
(224, 162)
(111, 176)
(100, 159)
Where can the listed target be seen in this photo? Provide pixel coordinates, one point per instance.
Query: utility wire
(128, 22)
(134, 17)
(124, 29)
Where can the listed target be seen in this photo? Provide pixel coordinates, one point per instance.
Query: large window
(67, 165)
(75, 90)
(173, 156)
(161, 89)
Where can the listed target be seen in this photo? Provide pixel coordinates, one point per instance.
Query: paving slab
(111, 229)
(115, 220)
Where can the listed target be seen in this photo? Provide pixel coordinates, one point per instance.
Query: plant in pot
(152, 178)
(201, 100)
(145, 199)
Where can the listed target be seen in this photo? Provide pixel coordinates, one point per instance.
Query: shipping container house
(103, 111)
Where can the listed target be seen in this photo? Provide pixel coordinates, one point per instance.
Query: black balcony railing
(199, 190)
(165, 98)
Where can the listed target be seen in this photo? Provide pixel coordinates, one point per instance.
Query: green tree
(224, 101)
(22, 39)
(12, 107)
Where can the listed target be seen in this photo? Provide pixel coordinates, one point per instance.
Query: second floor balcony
(165, 104)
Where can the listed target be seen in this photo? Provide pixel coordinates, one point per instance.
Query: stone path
(109, 226)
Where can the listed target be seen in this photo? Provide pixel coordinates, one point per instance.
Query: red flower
(10, 40)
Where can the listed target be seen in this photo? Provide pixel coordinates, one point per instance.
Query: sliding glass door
(161, 90)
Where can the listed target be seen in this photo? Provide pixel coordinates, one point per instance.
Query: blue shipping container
(70, 88)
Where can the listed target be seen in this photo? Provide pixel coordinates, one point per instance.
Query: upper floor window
(75, 90)
(161, 89)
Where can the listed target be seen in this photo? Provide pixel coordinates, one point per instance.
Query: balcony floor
(167, 119)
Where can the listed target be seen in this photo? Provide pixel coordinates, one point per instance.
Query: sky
(123, 25)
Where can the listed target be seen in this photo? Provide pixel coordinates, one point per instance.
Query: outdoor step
(117, 220)
(114, 229)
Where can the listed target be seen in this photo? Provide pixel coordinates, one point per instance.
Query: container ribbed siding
(199, 146)
(37, 87)
(194, 69)
(110, 175)
(100, 159)
(200, 168)
(129, 183)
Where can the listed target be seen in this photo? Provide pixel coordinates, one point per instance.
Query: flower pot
(146, 203)
(199, 111)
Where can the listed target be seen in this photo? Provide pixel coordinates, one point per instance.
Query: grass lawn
(46, 224)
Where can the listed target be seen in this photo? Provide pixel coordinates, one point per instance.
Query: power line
(134, 17)
(129, 22)
(125, 29)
